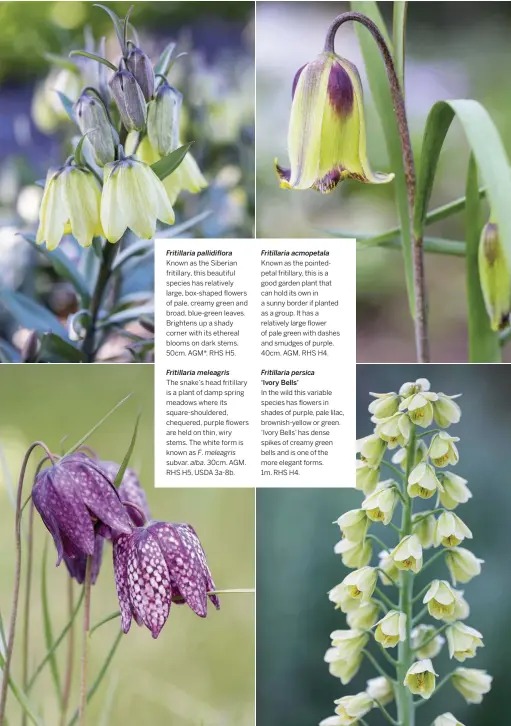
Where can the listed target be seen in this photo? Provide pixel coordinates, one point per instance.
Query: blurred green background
(296, 565)
(452, 51)
(199, 672)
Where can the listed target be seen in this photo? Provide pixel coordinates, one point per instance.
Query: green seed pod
(495, 278)
(140, 66)
(163, 119)
(92, 119)
(129, 99)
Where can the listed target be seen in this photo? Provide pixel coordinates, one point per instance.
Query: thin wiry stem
(85, 642)
(387, 600)
(376, 665)
(432, 638)
(26, 609)
(420, 321)
(386, 713)
(105, 271)
(66, 691)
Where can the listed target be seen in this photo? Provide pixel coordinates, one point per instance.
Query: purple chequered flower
(130, 491)
(75, 497)
(156, 564)
(77, 564)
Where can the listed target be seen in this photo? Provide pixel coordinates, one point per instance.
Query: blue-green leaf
(169, 163)
(56, 350)
(30, 314)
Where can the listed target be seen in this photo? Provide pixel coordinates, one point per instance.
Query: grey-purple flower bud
(140, 66)
(163, 119)
(129, 100)
(92, 119)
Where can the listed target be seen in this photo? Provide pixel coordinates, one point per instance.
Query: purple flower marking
(77, 564)
(340, 90)
(130, 491)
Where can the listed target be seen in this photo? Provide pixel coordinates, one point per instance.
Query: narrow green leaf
(102, 673)
(126, 316)
(47, 626)
(165, 59)
(178, 229)
(94, 428)
(22, 698)
(63, 267)
(122, 469)
(56, 350)
(398, 38)
(68, 105)
(169, 163)
(483, 343)
(118, 25)
(380, 89)
(108, 619)
(61, 62)
(136, 249)
(30, 314)
(94, 56)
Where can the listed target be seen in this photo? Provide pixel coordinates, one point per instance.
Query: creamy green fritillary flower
(461, 608)
(390, 570)
(454, 491)
(366, 477)
(70, 205)
(385, 405)
(349, 642)
(462, 564)
(425, 642)
(365, 616)
(342, 599)
(423, 481)
(472, 683)
(423, 525)
(450, 530)
(442, 450)
(354, 554)
(344, 668)
(326, 136)
(380, 689)
(495, 277)
(421, 452)
(447, 719)
(440, 599)
(463, 641)
(418, 400)
(445, 410)
(380, 505)
(352, 708)
(395, 430)
(407, 555)
(391, 629)
(371, 449)
(353, 524)
(421, 678)
(360, 584)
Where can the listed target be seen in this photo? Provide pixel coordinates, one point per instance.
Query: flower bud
(353, 708)
(450, 530)
(163, 119)
(495, 277)
(364, 617)
(462, 564)
(463, 641)
(354, 554)
(380, 689)
(421, 678)
(472, 683)
(92, 119)
(141, 68)
(353, 524)
(423, 525)
(408, 554)
(440, 599)
(381, 503)
(454, 491)
(423, 481)
(425, 642)
(129, 100)
(385, 405)
(442, 450)
(391, 629)
(344, 668)
(447, 719)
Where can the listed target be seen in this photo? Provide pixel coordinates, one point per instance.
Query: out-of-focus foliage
(198, 671)
(446, 58)
(296, 565)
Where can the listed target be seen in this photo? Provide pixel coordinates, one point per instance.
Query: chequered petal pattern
(210, 585)
(77, 563)
(121, 549)
(130, 490)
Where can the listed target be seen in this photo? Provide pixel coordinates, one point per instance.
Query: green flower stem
(429, 433)
(421, 594)
(376, 665)
(378, 541)
(419, 616)
(17, 579)
(393, 468)
(404, 699)
(381, 604)
(396, 584)
(105, 271)
(85, 642)
(66, 691)
(396, 529)
(432, 638)
(425, 516)
(432, 559)
(26, 609)
(387, 656)
(386, 714)
(386, 600)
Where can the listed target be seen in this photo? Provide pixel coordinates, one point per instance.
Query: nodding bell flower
(440, 600)
(353, 524)
(371, 449)
(463, 641)
(385, 405)
(353, 708)
(455, 490)
(450, 530)
(381, 503)
(395, 430)
(472, 683)
(421, 678)
(354, 554)
(360, 584)
(92, 119)
(342, 667)
(130, 492)
(140, 66)
(77, 564)
(129, 100)
(462, 564)
(418, 400)
(391, 629)
(163, 119)
(421, 452)
(364, 617)
(407, 555)
(495, 277)
(70, 205)
(327, 136)
(423, 481)
(443, 450)
(380, 689)
(445, 410)
(75, 497)
(423, 525)
(447, 719)
(134, 197)
(156, 564)
(349, 642)
(388, 570)
(425, 642)
(366, 476)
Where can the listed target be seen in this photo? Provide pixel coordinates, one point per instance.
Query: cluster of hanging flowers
(101, 191)
(420, 470)
(155, 563)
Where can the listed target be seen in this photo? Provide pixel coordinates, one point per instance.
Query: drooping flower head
(155, 565)
(75, 497)
(130, 492)
(327, 136)
(77, 565)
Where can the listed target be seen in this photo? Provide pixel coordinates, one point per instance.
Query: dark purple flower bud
(130, 491)
(155, 564)
(77, 563)
(141, 67)
(73, 496)
(129, 99)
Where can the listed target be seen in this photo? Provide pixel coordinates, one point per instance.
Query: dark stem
(17, 578)
(421, 332)
(85, 642)
(66, 692)
(26, 609)
(109, 254)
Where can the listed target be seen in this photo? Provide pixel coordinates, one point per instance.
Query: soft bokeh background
(199, 671)
(296, 565)
(453, 51)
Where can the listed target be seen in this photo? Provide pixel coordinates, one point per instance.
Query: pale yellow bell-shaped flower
(366, 476)
(440, 600)
(352, 708)
(472, 683)
(380, 689)
(391, 629)
(425, 642)
(495, 277)
(349, 642)
(70, 204)
(408, 554)
(380, 505)
(360, 584)
(395, 430)
(371, 449)
(423, 481)
(353, 524)
(421, 678)
(447, 719)
(455, 490)
(344, 668)
(450, 530)
(354, 554)
(462, 564)
(463, 641)
(461, 608)
(401, 455)
(365, 616)
(418, 400)
(385, 405)
(331, 721)
(133, 197)
(389, 571)
(442, 450)
(445, 410)
(423, 525)
(327, 136)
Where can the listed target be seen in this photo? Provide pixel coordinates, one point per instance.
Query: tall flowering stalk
(382, 602)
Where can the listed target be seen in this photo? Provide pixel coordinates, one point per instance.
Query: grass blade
(120, 474)
(22, 698)
(47, 626)
(483, 343)
(398, 37)
(94, 428)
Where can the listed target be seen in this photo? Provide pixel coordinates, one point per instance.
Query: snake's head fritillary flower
(495, 277)
(327, 135)
(156, 564)
(77, 564)
(420, 678)
(75, 497)
(133, 197)
(70, 204)
(130, 492)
